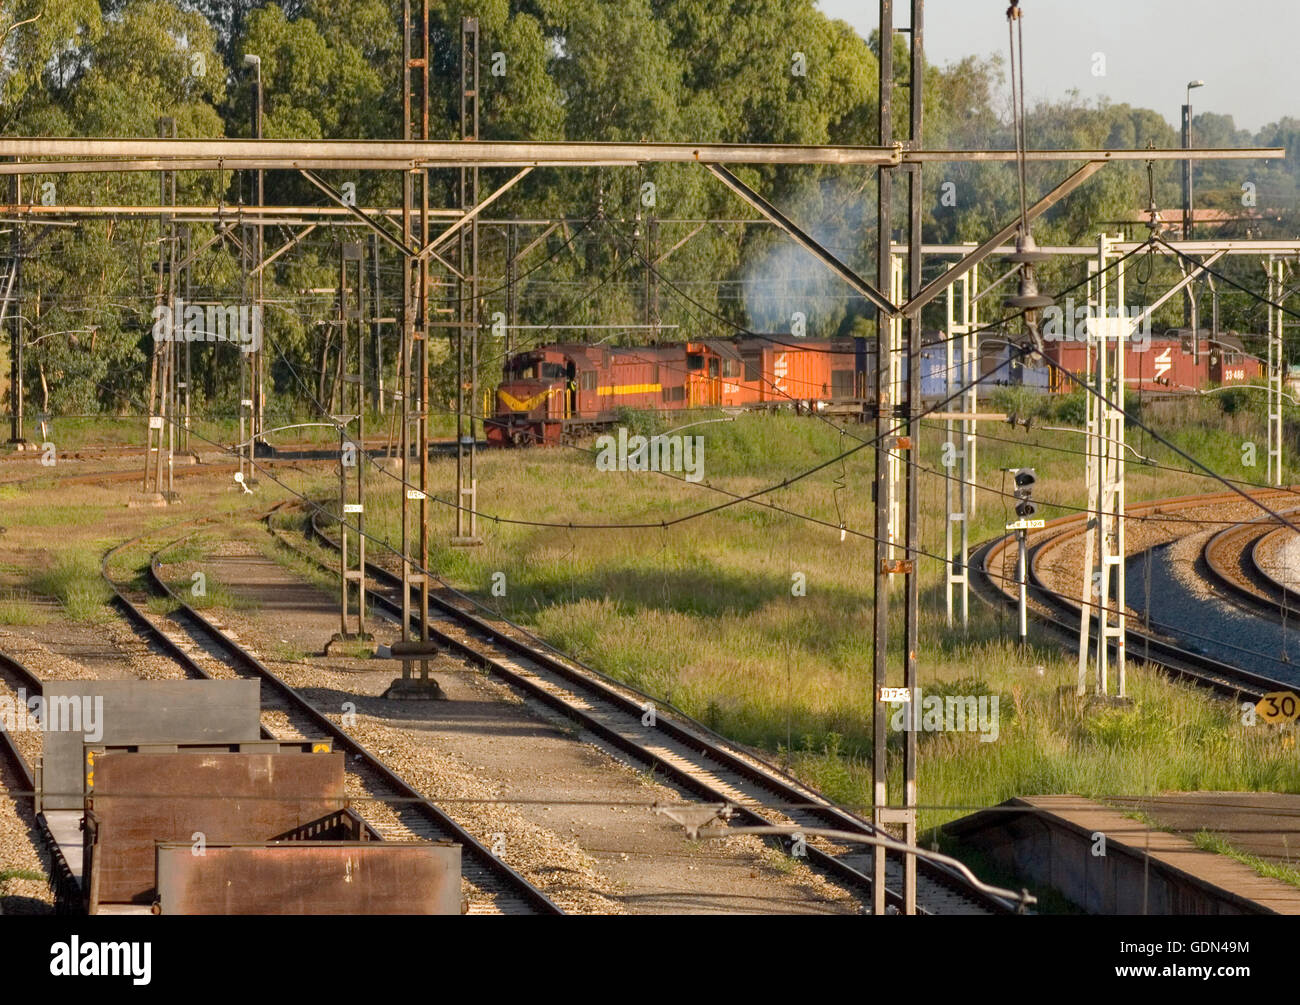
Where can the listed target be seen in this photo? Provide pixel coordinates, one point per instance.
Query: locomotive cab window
(730, 368)
(552, 371)
(694, 361)
(588, 380)
(713, 367)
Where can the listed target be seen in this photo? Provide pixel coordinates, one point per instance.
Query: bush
(1022, 402)
(1070, 409)
(639, 422)
(1238, 399)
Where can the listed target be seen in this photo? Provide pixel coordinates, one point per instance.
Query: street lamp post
(1187, 164)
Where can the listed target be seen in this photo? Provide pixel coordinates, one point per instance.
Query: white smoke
(783, 278)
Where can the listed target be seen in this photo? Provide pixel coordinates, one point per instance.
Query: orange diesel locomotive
(567, 388)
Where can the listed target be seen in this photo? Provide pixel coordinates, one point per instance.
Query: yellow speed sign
(1278, 706)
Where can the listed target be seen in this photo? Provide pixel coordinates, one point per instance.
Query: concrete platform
(1053, 841)
(1263, 824)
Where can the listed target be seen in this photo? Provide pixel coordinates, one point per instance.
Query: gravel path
(573, 817)
(19, 854)
(1179, 596)
(1280, 557)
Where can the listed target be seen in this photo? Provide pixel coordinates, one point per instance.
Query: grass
(17, 607)
(297, 563)
(353, 650)
(7, 874)
(779, 861)
(1210, 841)
(162, 605)
(286, 652)
(207, 593)
(702, 614)
(1171, 737)
(76, 582)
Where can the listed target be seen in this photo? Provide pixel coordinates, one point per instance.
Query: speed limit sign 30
(1278, 706)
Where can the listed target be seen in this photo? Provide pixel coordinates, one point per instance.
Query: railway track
(681, 751)
(285, 455)
(1234, 561)
(62, 881)
(19, 676)
(1262, 550)
(1061, 614)
(395, 809)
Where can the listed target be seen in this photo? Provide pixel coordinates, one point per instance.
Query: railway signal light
(1025, 480)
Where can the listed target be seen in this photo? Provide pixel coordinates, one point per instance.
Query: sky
(1244, 51)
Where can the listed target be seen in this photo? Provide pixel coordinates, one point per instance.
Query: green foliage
(1284, 871)
(17, 607)
(640, 422)
(1071, 409)
(75, 580)
(1021, 402)
(550, 69)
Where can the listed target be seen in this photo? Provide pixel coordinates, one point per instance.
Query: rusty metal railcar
(1166, 363)
(136, 799)
(309, 877)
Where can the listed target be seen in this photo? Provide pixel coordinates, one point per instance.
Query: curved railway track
(501, 890)
(1234, 561)
(1265, 545)
(679, 749)
(1061, 614)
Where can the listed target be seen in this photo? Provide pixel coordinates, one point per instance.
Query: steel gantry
(1276, 269)
(896, 408)
(10, 313)
(349, 412)
(1103, 591)
(41, 155)
(894, 361)
(961, 384)
(164, 382)
(467, 305)
(915, 339)
(413, 365)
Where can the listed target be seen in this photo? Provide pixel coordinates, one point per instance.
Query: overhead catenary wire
(1208, 471)
(317, 507)
(863, 443)
(620, 526)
